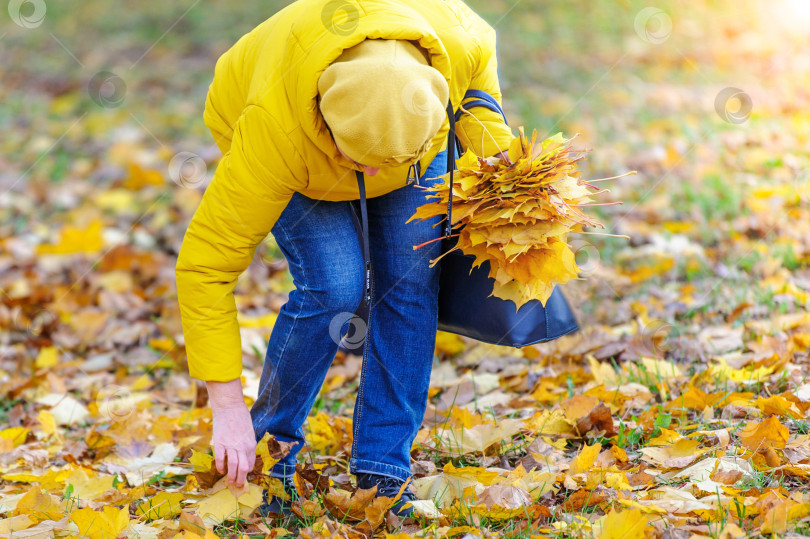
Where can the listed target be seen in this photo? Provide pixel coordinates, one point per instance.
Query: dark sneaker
(277, 506)
(389, 487)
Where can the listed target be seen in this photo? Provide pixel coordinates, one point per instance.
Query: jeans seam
(277, 368)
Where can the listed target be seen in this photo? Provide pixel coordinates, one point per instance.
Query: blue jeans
(325, 259)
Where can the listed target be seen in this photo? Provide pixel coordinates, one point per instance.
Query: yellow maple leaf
(163, 505)
(47, 422)
(585, 459)
(15, 435)
(202, 461)
(549, 422)
(89, 486)
(109, 522)
(224, 505)
(77, 240)
(779, 517)
(50, 480)
(675, 455)
(449, 343)
(139, 178)
(47, 357)
(39, 505)
(517, 215)
(630, 524)
(778, 405)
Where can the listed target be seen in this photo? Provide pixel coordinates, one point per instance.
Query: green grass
(715, 199)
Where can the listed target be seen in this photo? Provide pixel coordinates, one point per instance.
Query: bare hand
(233, 436)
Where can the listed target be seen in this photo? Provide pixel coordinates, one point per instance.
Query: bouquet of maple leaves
(516, 214)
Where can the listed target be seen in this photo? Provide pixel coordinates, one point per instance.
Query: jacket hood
(319, 38)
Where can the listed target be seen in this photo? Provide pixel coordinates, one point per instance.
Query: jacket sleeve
(486, 134)
(252, 185)
(225, 100)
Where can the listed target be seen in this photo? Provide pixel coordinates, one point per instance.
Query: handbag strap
(451, 165)
(366, 252)
(483, 99)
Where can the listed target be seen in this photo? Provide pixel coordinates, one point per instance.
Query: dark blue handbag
(465, 305)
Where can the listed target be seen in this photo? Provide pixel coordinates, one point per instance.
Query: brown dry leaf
(588, 498)
(542, 454)
(505, 496)
(268, 452)
(347, 505)
(772, 459)
(316, 481)
(727, 477)
(192, 523)
(376, 511)
(209, 478)
(310, 509)
(598, 419)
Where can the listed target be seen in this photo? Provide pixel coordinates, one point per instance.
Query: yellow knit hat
(383, 102)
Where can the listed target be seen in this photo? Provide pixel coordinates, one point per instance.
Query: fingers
(253, 457)
(237, 463)
(233, 464)
(234, 445)
(219, 457)
(245, 466)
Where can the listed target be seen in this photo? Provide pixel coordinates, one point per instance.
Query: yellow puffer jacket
(262, 110)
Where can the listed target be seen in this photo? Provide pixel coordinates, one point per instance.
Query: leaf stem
(632, 172)
(601, 234)
(485, 131)
(415, 247)
(595, 204)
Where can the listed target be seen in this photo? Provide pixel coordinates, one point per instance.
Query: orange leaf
(764, 434)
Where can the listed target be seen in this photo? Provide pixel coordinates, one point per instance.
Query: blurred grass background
(576, 66)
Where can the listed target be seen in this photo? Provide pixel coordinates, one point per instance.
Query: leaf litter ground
(679, 410)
